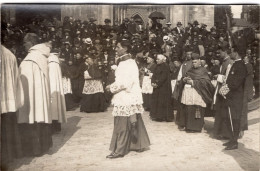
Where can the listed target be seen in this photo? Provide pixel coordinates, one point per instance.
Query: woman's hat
(166, 38)
(88, 41)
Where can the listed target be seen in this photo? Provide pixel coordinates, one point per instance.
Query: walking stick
(229, 112)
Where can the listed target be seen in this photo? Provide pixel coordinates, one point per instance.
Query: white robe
(35, 79)
(127, 99)
(11, 96)
(58, 105)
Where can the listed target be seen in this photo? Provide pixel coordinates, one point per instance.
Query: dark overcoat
(236, 82)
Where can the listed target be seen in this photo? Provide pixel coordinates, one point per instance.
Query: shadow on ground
(247, 159)
(68, 130)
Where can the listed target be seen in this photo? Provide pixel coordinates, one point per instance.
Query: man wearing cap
(129, 131)
(203, 30)
(168, 26)
(195, 27)
(154, 45)
(77, 48)
(132, 26)
(188, 30)
(179, 30)
(92, 26)
(124, 26)
(196, 95)
(222, 43)
(67, 36)
(107, 27)
(66, 52)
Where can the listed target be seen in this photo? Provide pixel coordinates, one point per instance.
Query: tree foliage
(254, 14)
(222, 14)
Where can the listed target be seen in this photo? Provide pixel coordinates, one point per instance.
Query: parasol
(156, 15)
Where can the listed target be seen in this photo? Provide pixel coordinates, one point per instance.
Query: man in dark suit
(179, 29)
(233, 98)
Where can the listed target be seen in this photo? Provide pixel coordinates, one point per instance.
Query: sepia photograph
(130, 87)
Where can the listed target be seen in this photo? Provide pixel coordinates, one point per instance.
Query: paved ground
(84, 142)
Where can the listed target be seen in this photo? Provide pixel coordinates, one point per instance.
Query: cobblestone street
(84, 143)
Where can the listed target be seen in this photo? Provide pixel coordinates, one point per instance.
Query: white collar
(123, 55)
(238, 60)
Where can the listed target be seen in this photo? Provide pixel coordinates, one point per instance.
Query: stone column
(203, 14)
(177, 14)
(104, 11)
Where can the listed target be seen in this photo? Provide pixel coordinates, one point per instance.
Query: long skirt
(121, 142)
(70, 104)
(10, 139)
(93, 103)
(194, 117)
(161, 106)
(181, 115)
(147, 101)
(36, 138)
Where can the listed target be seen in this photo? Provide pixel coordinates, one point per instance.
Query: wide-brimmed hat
(168, 23)
(166, 38)
(107, 20)
(196, 23)
(92, 19)
(88, 41)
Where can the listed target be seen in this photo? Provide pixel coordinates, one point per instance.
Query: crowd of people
(70, 64)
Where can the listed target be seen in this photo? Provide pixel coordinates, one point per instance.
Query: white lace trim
(147, 85)
(127, 110)
(66, 85)
(92, 87)
(191, 97)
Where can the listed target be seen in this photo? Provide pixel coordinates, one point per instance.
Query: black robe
(161, 106)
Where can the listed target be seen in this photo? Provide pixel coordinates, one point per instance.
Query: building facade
(173, 13)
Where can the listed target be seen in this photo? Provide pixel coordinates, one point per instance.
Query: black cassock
(161, 106)
(235, 98)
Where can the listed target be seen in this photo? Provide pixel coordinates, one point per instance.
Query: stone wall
(143, 11)
(84, 12)
(203, 14)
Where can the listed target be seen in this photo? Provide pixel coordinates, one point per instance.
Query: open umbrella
(156, 15)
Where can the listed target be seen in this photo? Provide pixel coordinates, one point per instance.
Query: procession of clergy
(188, 71)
